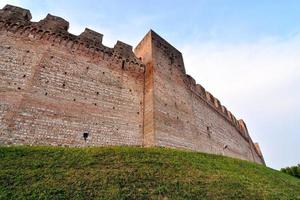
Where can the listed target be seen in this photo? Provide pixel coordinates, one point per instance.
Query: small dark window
(85, 136)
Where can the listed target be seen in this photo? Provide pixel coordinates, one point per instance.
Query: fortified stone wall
(184, 115)
(60, 89)
(55, 86)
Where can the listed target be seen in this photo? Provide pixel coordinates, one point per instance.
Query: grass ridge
(44, 172)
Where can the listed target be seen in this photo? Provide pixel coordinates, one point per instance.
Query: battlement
(54, 24)
(54, 29)
(215, 103)
(15, 14)
(118, 96)
(91, 37)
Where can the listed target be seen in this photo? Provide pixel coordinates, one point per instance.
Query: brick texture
(60, 89)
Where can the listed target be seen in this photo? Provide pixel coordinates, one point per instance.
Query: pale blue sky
(247, 53)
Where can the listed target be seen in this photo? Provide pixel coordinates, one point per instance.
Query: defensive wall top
(17, 20)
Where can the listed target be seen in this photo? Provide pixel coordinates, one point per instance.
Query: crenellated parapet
(54, 29)
(15, 14)
(215, 103)
(166, 107)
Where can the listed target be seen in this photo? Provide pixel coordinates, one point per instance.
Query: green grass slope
(135, 173)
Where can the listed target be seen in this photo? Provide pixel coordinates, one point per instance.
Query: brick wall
(60, 89)
(53, 93)
(185, 115)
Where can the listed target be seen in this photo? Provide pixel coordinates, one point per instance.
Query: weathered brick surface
(185, 115)
(56, 87)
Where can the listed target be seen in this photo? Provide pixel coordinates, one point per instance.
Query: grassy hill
(135, 173)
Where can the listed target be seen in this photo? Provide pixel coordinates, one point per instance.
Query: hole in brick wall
(103, 72)
(27, 51)
(130, 90)
(166, 104)
(63, 84)
(87, 68)
(138, 113)
(141, 103)
(74, 99)
(65, 73)
(46, 93)
(24, 75)
(43, 67)
(46, 81)
(123, 64)
(95, 104)
(177, 118)
(97, 93)
(19, 88)
(113, 107)
(85, 136)
(23, 63)
(208, 131)
(225, 146)
(51, 57)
